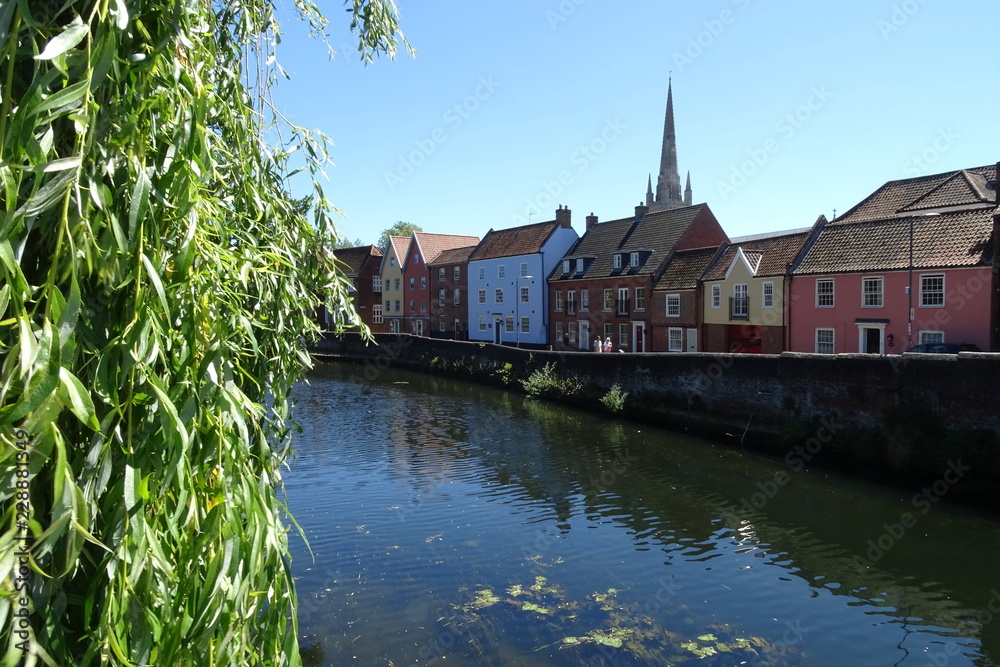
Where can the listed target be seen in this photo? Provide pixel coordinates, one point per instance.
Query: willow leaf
(64, 41)
(73, 393)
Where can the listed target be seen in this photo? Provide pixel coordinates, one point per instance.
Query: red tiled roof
(685, 269)
(400, 244)
(453, 256)
(524, 240)
(964, 187)
(945, 240)
(431, 245)
(768, 255)
(352, 259)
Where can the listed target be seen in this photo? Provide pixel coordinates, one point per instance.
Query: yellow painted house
(393, 289)
(744, 293)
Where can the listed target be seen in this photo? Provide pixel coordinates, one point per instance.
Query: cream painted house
(744, 297)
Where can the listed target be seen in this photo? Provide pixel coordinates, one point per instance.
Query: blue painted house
(508, 293)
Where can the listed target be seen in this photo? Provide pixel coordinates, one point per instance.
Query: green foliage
(614, 400)
(157, 285)
(401, 228)
(546, 383)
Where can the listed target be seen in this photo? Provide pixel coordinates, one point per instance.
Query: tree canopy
(156, 281)
(400, 228)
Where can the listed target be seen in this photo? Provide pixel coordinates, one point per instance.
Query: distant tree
(401, 228)
(344, 242)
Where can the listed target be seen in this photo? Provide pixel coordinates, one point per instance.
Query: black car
(944, 348)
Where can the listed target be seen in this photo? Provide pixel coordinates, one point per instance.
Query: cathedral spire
(649, 190)
(668, 182)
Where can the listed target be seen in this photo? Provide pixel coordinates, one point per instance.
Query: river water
(456, 524)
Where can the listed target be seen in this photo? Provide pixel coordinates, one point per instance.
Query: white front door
(692, 340)
(584, 335)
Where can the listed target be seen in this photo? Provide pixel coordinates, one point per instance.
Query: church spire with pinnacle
(668, 183)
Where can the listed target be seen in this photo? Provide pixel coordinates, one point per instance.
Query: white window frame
(501, 270)
(925, 293)
(640, 298)
(672, 344)
(376, 283)
(396, 284)
(579, 264)
(608, 330)
(456, 273)
(634, 260)
(413, 283)
(571, 302)
(716, 296)
(525, 294)
(831, 294)
(930, 336)
(498, 295)
(623, 335)
(441, 278)
(523, 271)
(584, 299)
(566, 264)
(609, 300)
(441, 298)
(482, 323)
(673, 305)
(441, 325)
(482, 273)
(879, 293)
(618, 261)
(767, 294)
(508, 324)
(456, 297)
(559, 332)
(482, 296)
(832, 342)
(559, 301)
(525, 324)
(377, 314)
(623, 301)
(423, 282)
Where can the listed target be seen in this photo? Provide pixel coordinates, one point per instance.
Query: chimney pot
(591, 220)
(564, 216)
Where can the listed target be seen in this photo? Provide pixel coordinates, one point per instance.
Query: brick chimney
(641, 210)
(591, 220)
(563, 216)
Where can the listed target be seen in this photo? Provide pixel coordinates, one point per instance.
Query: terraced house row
(915, 262)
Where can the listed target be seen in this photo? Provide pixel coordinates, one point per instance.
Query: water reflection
(419, 493)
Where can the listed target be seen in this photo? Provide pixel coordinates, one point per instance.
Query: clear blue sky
(783, 110)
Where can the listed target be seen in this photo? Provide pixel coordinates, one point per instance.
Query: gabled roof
(953, 188)
(515, 241)
(654, 235)
(766, 254)
(352, 259)
(400, 244)
(686, 268)
(945, 240)
(454, 256)
(431, 245)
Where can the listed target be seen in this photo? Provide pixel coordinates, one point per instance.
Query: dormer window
(579, 265)
(565, 266)
(618, 261)
(634, 260)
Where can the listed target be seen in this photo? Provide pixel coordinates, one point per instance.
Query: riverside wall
(904, 418)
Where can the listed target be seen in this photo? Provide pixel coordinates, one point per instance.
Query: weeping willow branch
(157, 281)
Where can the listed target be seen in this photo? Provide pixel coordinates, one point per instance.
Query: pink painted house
(910, 264)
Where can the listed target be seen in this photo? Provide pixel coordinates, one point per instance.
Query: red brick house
(677, 316)
(424, 248)
(449, 273)
(604, 284)
(361, 266)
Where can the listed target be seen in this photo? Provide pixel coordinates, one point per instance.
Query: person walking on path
(597, 345)
(607, 344)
